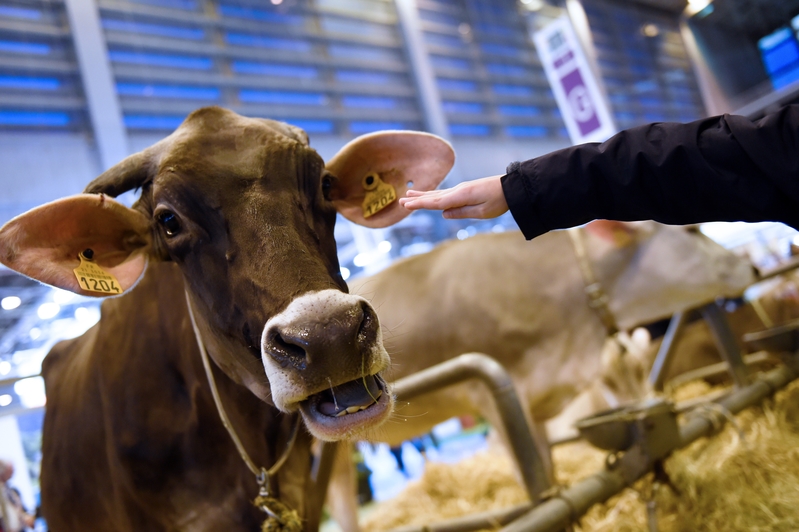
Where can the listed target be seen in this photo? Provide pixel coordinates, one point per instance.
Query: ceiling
(753, 17)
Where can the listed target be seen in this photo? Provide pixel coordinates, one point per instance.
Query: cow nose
(313, 342)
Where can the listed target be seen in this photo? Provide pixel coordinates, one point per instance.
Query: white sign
(581, 103)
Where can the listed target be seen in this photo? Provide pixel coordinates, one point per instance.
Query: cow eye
(169, 221)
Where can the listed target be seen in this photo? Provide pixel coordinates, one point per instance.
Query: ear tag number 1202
(92, 278)
(379, 194)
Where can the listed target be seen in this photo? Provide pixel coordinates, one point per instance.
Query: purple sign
(583, 109)
(585, 112)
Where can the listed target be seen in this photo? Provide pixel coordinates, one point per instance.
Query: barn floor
(725, 483)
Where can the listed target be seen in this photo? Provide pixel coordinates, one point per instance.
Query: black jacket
(725, 168)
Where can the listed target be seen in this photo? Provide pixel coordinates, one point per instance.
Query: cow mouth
(347, 408)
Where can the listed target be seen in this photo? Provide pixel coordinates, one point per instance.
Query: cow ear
(46, 244)
(619, 233)
(400, 159)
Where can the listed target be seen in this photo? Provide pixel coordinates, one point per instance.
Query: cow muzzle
(323, 355)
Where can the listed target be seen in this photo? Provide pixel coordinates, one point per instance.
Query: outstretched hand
(481, 198)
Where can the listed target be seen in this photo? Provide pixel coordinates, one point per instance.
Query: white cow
(525, 304)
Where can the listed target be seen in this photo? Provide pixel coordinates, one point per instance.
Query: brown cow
(525, 304)
(236, 218)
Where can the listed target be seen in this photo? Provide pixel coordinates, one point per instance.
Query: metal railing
(558, 512)
(491, 373)
(568, 505)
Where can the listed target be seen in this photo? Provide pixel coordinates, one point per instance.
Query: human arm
(723, 168)
(480, 198)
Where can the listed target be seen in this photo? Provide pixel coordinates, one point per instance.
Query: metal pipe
(665, 354)
(321, 471)
(722, 334)
(469, 523)
(783, 268)
(569, 438)
(681, 407)
(719, 368)
(701, 423)
(725, 342)
(499, 383)
(13, 380)
(557, 513)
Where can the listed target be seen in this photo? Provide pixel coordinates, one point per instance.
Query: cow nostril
(367, 331)
(285, 352)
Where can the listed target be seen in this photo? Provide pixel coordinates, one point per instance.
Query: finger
(413, 205)
(409, 205)
(424, 194)
(412, 201)
(466, 211)
(439, 202)
(411, 192)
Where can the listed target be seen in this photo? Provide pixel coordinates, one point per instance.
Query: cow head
(650, 271)
(246, 209)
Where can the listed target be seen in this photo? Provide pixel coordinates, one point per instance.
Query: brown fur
(132, 440)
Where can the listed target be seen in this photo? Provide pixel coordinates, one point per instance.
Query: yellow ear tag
(378, 194)
(93, 278)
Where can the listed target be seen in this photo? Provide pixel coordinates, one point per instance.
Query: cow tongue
(350, 397)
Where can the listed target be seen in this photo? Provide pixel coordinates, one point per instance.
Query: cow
(526, 305)
(228, 251)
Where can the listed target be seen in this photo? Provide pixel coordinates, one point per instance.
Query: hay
(483, 482)
(689, 390)
(722, 483)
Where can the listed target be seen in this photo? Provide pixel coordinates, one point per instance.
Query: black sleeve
(724, 168)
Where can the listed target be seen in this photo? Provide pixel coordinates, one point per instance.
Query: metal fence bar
(724, 338)
(557, 513)
(657, 374)
(469, 523)
(321, 471)
(493, 375)
(720, 368)
(719, 327)
(13, 380)
(785, 267)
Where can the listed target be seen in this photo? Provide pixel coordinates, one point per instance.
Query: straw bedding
(723, 483)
